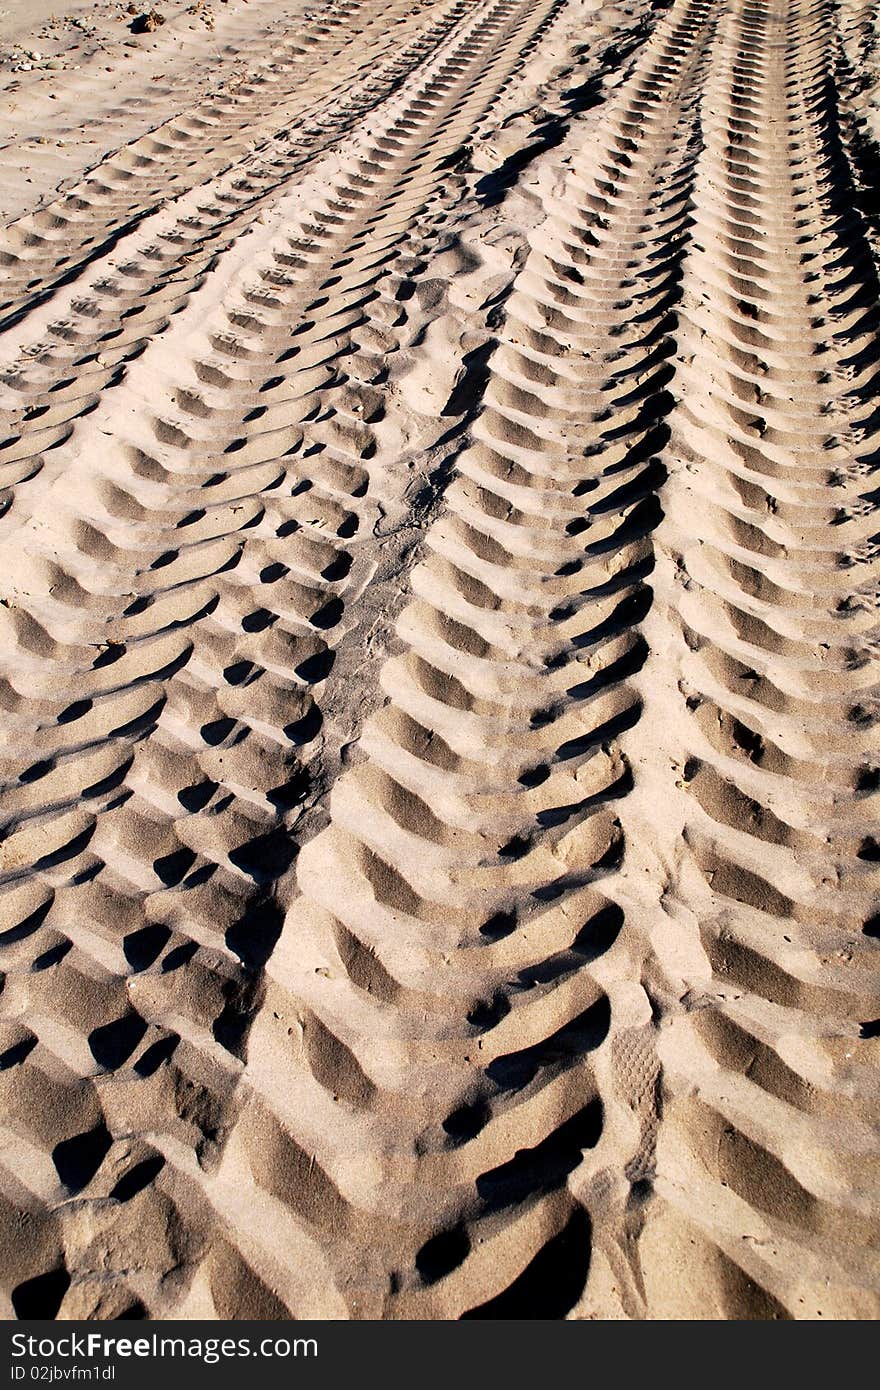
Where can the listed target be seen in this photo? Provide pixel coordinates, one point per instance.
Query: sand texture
(439, 643)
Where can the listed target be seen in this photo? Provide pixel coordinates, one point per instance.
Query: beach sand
(438, 660)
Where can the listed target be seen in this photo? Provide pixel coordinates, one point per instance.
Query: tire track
(92, 216)
(519, 961)
(65, 122)
(854, 77)
(454, 1018)
(762, 693)
(212, 552)
(78, 347)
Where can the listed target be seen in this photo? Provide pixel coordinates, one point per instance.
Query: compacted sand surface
(438, 660)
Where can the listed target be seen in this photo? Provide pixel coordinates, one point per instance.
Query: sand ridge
(438, 681)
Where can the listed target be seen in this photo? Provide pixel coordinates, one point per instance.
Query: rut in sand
(439, 685)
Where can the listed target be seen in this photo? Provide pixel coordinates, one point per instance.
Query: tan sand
(438, 662)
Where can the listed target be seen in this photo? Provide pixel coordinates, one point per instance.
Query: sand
(438, 660)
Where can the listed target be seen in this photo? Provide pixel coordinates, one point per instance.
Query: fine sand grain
(439, 660)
